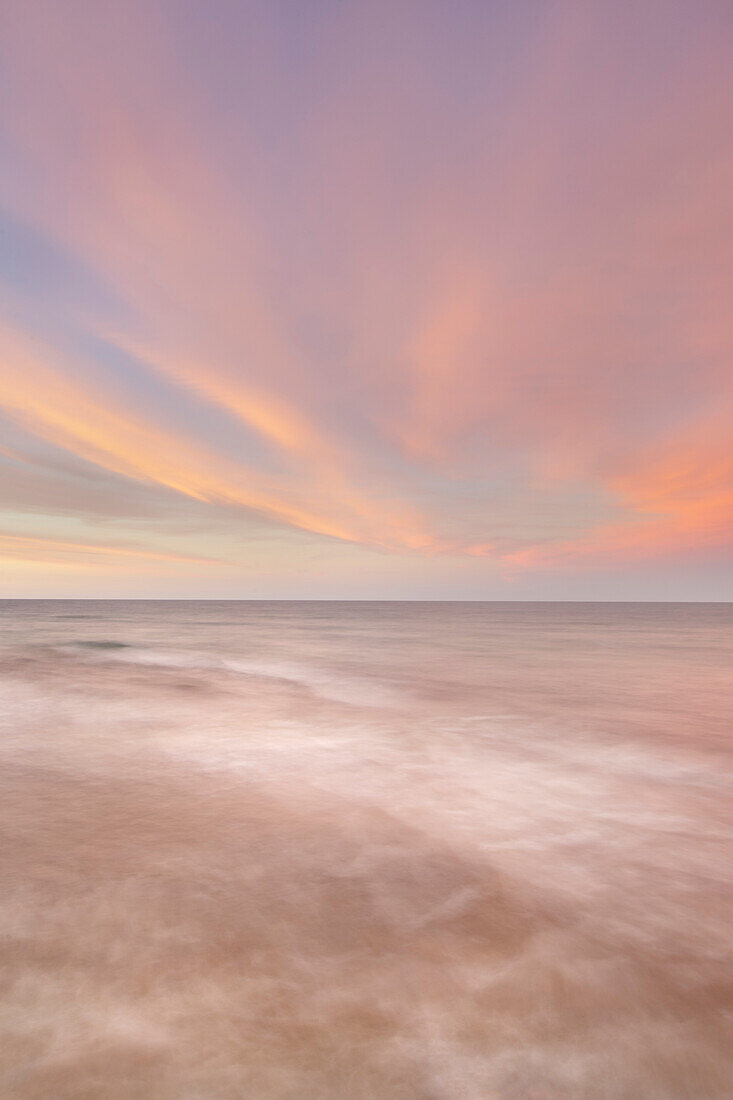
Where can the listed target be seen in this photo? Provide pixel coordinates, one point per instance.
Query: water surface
(287, 850)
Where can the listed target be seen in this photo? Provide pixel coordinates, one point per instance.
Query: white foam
(354, 691)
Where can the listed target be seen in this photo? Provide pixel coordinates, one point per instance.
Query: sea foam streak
(436, 851)
(359, 691)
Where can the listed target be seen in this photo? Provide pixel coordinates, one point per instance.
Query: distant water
(366, 850)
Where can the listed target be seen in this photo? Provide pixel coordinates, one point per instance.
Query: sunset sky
(331, 299)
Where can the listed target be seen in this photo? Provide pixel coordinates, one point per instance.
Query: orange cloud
(28, 548)
(45, 400)
(679, 504)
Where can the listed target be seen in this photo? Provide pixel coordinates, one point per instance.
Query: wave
(353, 691)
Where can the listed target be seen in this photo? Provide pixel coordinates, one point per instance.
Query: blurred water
(366, 850)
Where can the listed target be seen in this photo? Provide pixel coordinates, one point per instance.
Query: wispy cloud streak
(454, 282)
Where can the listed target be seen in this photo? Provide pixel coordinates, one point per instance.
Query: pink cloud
(517, 279)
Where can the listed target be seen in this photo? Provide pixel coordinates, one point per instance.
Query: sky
(352, 300)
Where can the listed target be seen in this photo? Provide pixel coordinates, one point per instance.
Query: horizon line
(328, 599)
